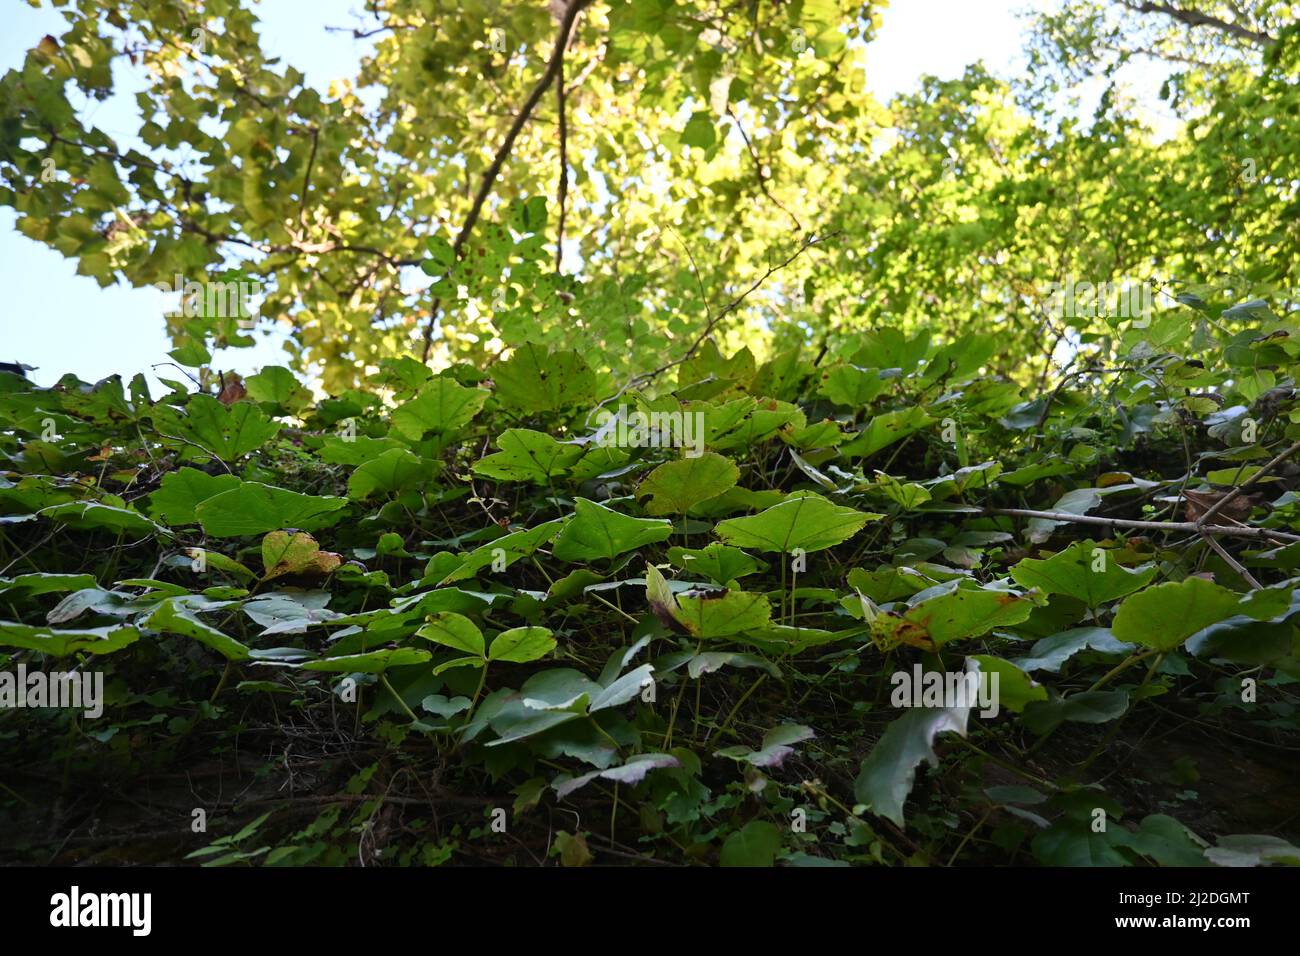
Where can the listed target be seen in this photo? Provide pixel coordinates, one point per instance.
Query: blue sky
(62, 322)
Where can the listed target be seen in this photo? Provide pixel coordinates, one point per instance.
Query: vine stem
(383, 679)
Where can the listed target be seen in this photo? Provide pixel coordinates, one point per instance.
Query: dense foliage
(652, 549)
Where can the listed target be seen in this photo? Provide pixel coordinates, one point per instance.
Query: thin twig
(1191, 526)
(1254, 479)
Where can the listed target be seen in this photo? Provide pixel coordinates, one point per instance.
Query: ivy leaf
(1164, 616)
(171, 619)
(700, 131)
(884, 430)
(286, 552)
(807, 521)
(522, 645)
(1086, 707)
(455, 631)
(441, 406)
(43, 582)
(716, 561)
(778, 743)
(1051, 652)
(255, 508)
(1074, 572)
(507, 549)
(527, 455)
(61, 643)
(716, 613)
(228, 432)
(953, 614)
(91, 515)
(1015, 688)
(755, 845)
(277, 385)
(535, 379)
(183, 490)
(849, 385)
(677, 485)
(372, 662)
(392, 471)
(630, 773)
(887, 775)
(599, 532)
(621, 690)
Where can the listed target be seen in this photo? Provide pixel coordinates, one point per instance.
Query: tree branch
(563, 196)
(494, 169)
(1246, 485)
(1237, 531)
(758, 170)
(1194, 18)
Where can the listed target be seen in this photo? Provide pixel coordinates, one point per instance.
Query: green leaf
(756, 844)
(392, 471)
(1072, 842)
(536, 380)
(778, 743)
(455, 631)
(1253, 850)
(632, 772)
(442, 257)
(61, 643)
(506, 549)
(715, 613)
(807, 521)
(677, 485)
(372, 662)
(295, 553)
(183, 490)
(1075, 572)
(441, 406)
(171, 619)
(886, 429)
(887, 775)
(1164, 616)
(277, 385)
(1051, 652)
(716, 561)
(228, 432)
(1015, 687)
(849, 385)
(526, 455)
(91, 516)
(952, 615)
(1086, 707)
(522, 645)
(700, 131)
(600, 532)
(43, 582)
(255, 508)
